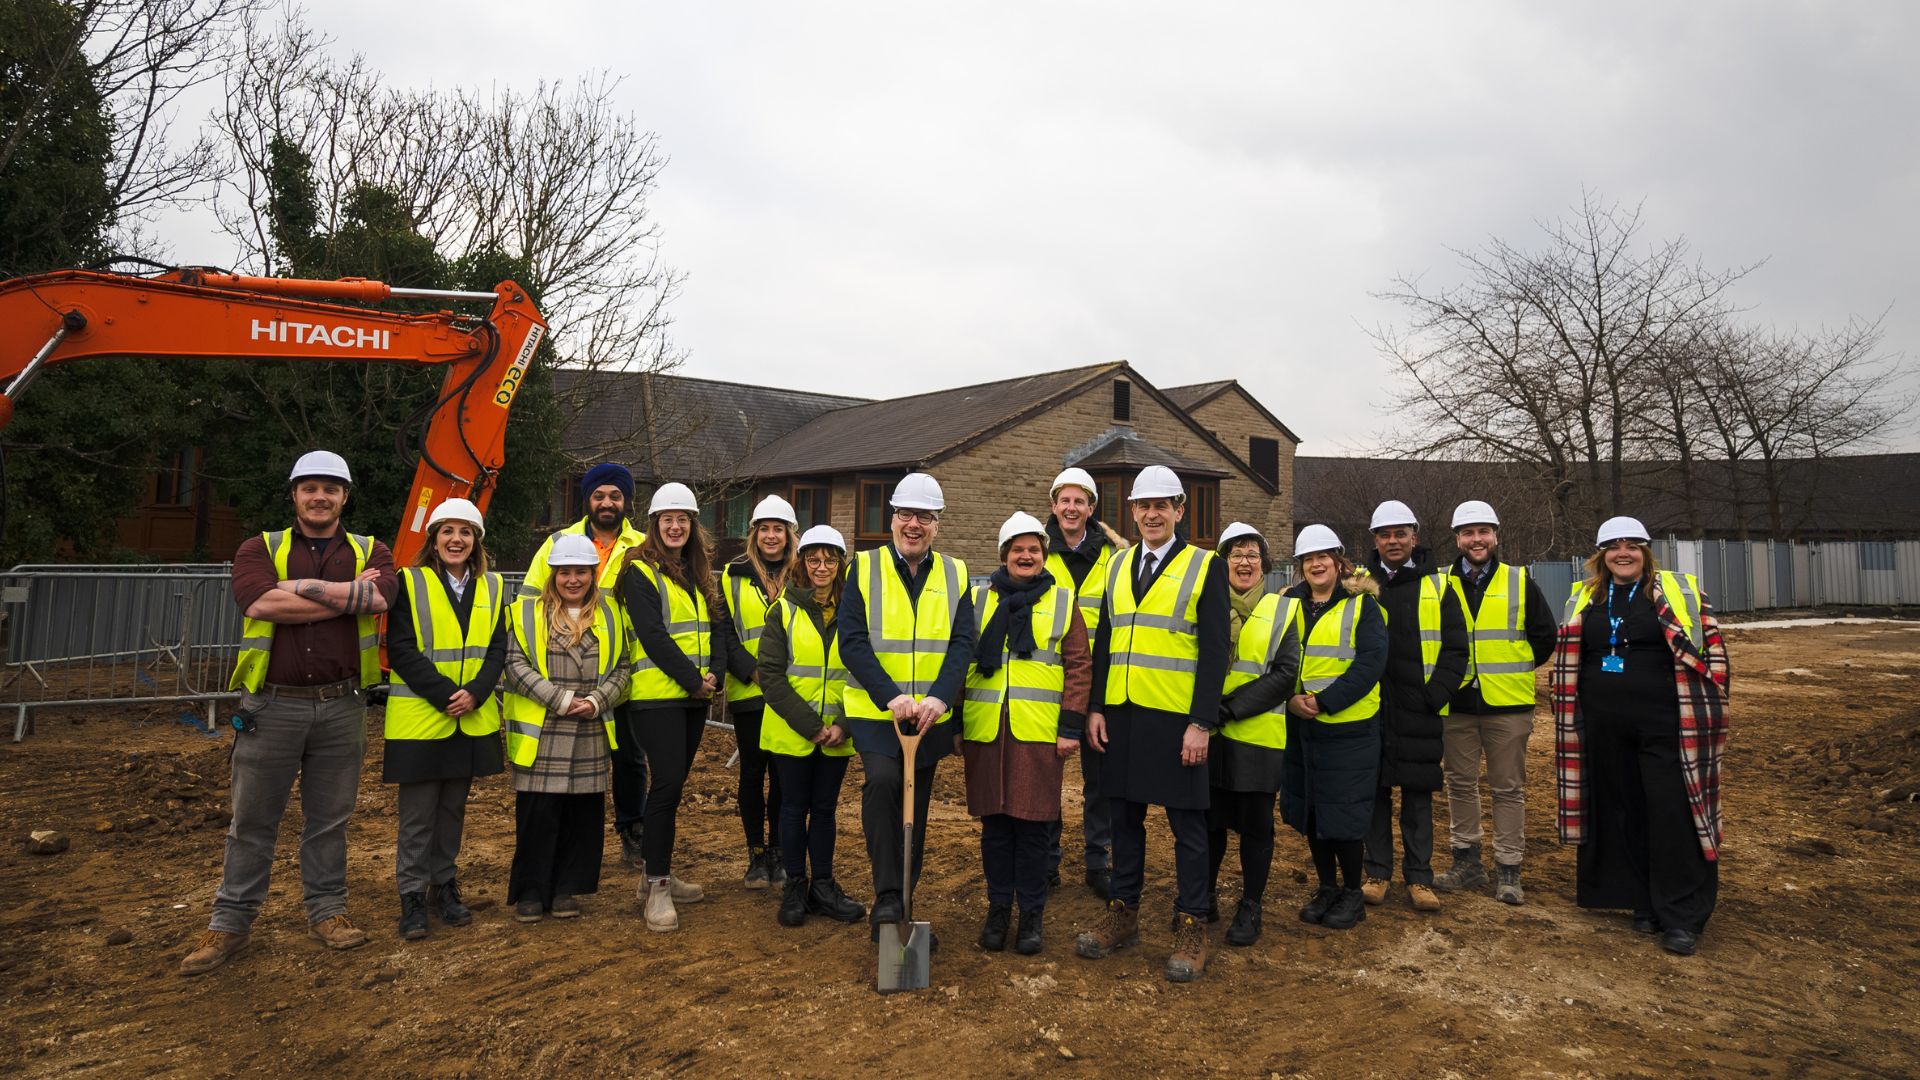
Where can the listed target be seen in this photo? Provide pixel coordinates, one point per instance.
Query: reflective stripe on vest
(1091, 590)
(1432, 587)
(1682, 593)
(747, 607)
(909, 639)
(523, 717)
(686, 618)
(1328, 650)
(1153, 644)
(256, 635)
(1031, 688)
(1502, 660)
(458, 656)
(815, 674)
(1261, 635)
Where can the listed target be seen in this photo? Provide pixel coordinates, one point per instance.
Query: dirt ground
(1808, 968)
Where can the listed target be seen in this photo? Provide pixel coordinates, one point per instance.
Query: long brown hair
(699, 557)
(771, 584)
(430, 554)
(561, 626)
(799, 578)
(1598, 574)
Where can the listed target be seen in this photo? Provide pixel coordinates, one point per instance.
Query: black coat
(407, 761)
(1332, 771)
(1413, 728)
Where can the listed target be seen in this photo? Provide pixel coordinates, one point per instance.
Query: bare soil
(1808, 968)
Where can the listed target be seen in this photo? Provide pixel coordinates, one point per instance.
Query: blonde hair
(1598, 574)
(771, 584)
(563, 626)
(430, 554)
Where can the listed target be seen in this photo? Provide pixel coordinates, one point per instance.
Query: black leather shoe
(758, 873)
(1348, 909)
(1680, 942)
(886, 909)
(776, 866)
(993, 932)
(1316, 908)
(1027, 941)
(1645, 923)
(1099, 882)
(1246, 924)
(413, 915)
(793, 902)
(825, 898)
(444, 901)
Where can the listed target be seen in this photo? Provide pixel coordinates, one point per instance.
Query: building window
(174, 484)
(1264, 456)
(1203, 512)
(1112, 510)
(812, 504)
(870, 520)
(739, 513)
(1122, 400)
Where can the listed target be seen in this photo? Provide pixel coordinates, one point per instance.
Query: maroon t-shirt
(316, 653)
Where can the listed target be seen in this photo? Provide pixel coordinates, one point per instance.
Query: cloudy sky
(883, 197)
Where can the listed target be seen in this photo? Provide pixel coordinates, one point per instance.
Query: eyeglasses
(1246, 557)
(823, 561)
(924, 517)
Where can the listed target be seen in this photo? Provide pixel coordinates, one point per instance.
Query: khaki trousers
(1501, 738)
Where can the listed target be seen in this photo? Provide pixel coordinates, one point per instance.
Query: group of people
(1172, 671)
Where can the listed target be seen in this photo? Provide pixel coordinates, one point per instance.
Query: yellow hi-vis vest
(1090, 591)
(686, 617)
(747, 607)
(814, 673)
(1326, 653)
(1031, 688)
(256, 635)
(458, 656)
(538, 571)
(1502, 661)
(1432, 587)
(1153, 645)
(1261, 635)
(910, 640)
(525, 716)
(1683, 596)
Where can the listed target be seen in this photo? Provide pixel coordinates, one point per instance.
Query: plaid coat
(1702, 678)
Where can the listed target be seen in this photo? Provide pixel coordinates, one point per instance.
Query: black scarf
(1011, 628)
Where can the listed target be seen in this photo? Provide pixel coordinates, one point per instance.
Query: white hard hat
(1156, 482)
(1621, 528)
(673, 496)
(1474, 512)
(823, 536)
(774, 508)
(321, 463)
(918, 491)
(1021, 524)
(572, 549)
(1314, 538)
(1393, 512)
(1075, 477)
(1238, 530)
(457, 510)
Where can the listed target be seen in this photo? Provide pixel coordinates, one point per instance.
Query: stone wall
(1234, 421)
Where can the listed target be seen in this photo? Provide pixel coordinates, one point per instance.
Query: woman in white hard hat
(566, 666)
(802, 728)
(1333, 729)
(442, 721)
(1026, 706)
(1640, 680)
(1247, 758)
(667, 589)
(751, 583)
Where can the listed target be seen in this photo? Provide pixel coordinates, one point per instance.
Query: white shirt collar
(1160, 553)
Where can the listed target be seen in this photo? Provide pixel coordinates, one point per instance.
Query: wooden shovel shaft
(909, 747)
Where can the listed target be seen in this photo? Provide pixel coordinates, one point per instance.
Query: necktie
(1146, 576)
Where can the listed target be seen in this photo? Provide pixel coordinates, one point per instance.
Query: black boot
(1316, 908)
(993, 932)
(1246, 923)
(1027, 941)
(444, 900)
(1098, 881)
(757, 862)
(776, 866)
(413, 915)
(825, 898)
(793, 902)
(1348, 909)
(886, 909)
(630, 848)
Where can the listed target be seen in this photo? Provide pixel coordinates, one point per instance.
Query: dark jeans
(759, 787)
(1250, 814)
(557, 841)
(880, 804)
(809, 796)
(1096, 829)
(1130, 854)
(629, 782)
(1416, 836)
(1014, 852)
(670, 737)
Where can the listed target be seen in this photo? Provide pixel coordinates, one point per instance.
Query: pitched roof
(1130, 450)
(1193, 396)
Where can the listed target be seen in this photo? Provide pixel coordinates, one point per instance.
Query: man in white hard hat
(906, 637)
(1079, 549)
(309, 647)
(1160, 663)
(1427, 655)
(1512, 632)
(748, 587)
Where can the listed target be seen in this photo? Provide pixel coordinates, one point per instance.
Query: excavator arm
(77, 315)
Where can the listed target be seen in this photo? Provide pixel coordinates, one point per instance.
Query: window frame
(822, 501)
(1256, 443)
(884, 487)
(1122, 401)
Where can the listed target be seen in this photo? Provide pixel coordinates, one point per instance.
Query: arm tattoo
(314, 590)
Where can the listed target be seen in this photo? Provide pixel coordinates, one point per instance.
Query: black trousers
(629, 782)
(1096, 832)
(1250, 814)
(880, 802)
(809, 797)
(557, 840)
(670, 737)
(1013, 851)
(1130, 854)
(759, 790)
(1416, 836)
(1641, 852)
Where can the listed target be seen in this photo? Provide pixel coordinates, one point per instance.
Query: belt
(326, 692)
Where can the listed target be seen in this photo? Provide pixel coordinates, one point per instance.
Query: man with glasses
(905, 640)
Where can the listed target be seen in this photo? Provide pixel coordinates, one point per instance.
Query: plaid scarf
(1701, 676)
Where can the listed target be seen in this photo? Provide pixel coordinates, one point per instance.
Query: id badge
(1613, 665)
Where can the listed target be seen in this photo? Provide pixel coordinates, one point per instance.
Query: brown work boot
(1191, 948)
(336, 932)
(214, 948)
(1424, 899)
(1117, 929)
(1374, 891)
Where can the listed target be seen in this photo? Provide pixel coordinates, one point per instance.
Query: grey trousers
(1416, 837)
(320, 744)
(432, 815)
(1096, 821)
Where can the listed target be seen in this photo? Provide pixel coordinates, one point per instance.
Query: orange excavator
(194, 312)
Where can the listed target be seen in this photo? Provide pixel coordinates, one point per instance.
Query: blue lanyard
(1613, 623)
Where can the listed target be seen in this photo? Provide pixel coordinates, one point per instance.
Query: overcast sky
(885, 197)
